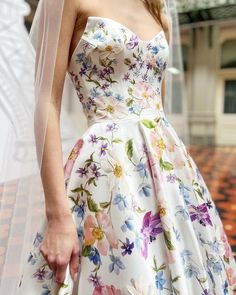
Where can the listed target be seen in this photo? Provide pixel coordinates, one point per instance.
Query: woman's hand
(60, 247)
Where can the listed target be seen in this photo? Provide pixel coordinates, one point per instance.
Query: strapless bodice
(115, 73)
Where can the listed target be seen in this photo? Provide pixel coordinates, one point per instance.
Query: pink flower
(143, 91)
(228, 250)
(72, 157)
(107, 290)
(169, 256)
(231, 276)
(100, 229)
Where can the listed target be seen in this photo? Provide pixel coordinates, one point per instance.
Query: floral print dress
(145, 218)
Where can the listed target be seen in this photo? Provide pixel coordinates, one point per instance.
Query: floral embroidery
(145, 218)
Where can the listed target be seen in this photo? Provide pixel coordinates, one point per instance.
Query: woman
(140, 208)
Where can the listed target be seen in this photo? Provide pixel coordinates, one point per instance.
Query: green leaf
(139, 210)
(167, 238)
(157, 119)
(162, 267)
(129, 148)
(148, 123)
(102, 138)
(91, 180)
(226, 259)
(176, 292)
(166, 165)
(92, 205)
(175, 279)
(104, 204)
(129, 102)
(78, 189)
(102, 62)
(117, 140)
(63, 285)
(202, 280)
(127, 61)
(86, 251)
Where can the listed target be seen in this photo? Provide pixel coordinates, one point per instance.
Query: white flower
(117, 171)
(140, 287)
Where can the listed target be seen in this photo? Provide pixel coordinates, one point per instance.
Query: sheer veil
(25, 93)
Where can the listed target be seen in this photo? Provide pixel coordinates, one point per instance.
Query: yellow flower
(162, 212)
(161, 144)
(118, 171)
(72, 155)
(110, 109)
(98, 233)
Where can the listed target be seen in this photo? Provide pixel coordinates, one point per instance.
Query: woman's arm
(60, 244)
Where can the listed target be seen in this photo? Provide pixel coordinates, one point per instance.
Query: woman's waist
(103, 117)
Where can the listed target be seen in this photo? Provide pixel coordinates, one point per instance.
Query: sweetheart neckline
(90, 17)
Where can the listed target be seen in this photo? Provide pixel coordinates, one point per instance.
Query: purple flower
(103, 149)
(107, 71)
(82, 72)
(128, 247)
(149, 66)
(151, 225)
(133, 41)
(95, 171)
(151, 228)
(112, 127)
(42, 274)
(206, 292)
(93, 138)
(132, 67)
(82, 172)
(171, 178)
(200, 213)
(95, 280)
(126, 77)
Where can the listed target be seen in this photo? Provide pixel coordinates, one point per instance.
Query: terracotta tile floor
(218, 167)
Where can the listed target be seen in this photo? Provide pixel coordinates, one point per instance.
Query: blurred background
(208, 39)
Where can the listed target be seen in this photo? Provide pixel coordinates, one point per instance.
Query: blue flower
(145, 190)
(184, 191)
(214, 264)
(225, 287)
(128, 224)
(98, 36)
(120, 201)
(46, 291)
(160, 281)
(38, 239)
(80, 57)
(116, 264)
(94, 256)
(128, 247)
(141, 168)
(154, 49)
(185, 255)
(182, 212)
(79, 210)
(119, 97)
(190, 270)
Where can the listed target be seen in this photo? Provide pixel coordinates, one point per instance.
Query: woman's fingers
(74, 263)
(61, 265)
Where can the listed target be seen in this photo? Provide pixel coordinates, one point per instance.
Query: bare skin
(60, 245)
